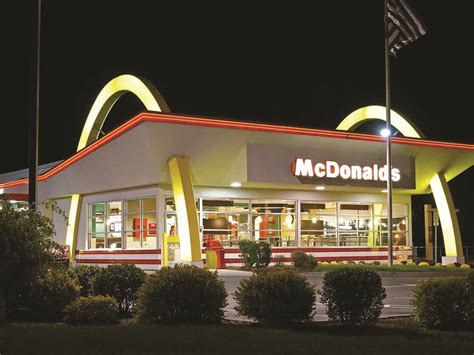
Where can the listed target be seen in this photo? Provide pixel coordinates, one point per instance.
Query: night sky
(302, 63)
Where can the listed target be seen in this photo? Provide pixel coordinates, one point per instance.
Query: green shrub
(253, 253)
(276, 297)
(183, 294)
(84, 275)
(27, 250)
(352, 296)
(470, 295)
(122, 282)
(470, 282)
(92, 310)
(303, 260)
(444, 302)
(50, 294)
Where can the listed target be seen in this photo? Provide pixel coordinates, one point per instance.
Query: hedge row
(275, 296)
(187, 294)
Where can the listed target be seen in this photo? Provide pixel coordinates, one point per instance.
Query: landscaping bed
(381, 268)
(397, 268)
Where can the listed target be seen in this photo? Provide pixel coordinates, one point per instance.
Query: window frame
(141, 215)
(298, 231)
(123, 215)
(105, 216)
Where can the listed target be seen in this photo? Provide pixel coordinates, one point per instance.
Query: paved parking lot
(399, 292)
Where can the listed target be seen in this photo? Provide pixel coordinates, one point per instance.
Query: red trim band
(276, 250)
(120, 261)
(18, 197)
(322, 258)
(120, 252)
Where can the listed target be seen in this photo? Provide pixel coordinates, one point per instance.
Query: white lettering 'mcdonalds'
(332, 169)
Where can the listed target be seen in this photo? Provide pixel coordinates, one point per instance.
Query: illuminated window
(105, 225)
(274, 222)
(366, 224)
(318, 223)
(355, 224)
(141, 225)
(399, 224)
(225, 220)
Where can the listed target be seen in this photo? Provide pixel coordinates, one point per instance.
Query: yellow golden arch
(181, 182)
(109, 95)
(438, 184)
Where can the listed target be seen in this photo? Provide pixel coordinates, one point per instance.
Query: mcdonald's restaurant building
(163, 188)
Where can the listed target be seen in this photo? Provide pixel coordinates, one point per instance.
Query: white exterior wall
(60, 222)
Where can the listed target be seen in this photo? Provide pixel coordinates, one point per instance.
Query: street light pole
(389, 141)
(34, 119)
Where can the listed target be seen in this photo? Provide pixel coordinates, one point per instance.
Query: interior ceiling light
(235, 184)
(320, 188)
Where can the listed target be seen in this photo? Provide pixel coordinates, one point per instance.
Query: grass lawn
(390, 336)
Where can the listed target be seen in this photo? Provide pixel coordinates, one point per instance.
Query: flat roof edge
(149, 116)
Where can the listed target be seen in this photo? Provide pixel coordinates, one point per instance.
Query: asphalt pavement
(399, 289)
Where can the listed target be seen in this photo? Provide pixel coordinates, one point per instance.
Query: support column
(72, 226)
(183, 193)
(448, 218)
(428, 232)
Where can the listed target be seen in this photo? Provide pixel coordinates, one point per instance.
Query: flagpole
(34, 120)
(389, 140)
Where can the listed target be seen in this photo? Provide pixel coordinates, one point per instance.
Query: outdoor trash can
(215, 255)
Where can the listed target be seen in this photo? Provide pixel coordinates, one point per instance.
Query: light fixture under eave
(235, 184)
(320, 188)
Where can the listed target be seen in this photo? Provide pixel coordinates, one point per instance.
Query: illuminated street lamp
(385, 132)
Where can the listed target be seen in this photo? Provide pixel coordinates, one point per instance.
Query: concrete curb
(227, 272)
(243, 321)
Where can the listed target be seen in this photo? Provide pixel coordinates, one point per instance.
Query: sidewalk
(227, 272)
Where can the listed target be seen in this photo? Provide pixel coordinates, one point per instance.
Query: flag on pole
(403, 26)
